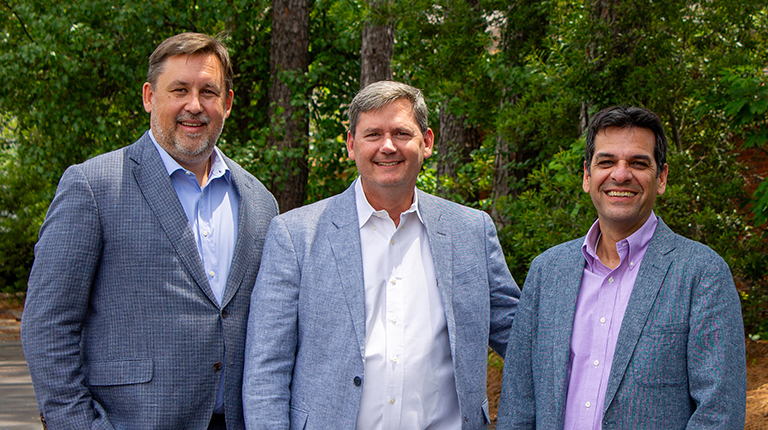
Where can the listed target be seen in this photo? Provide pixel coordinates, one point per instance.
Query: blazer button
(217, 366)
(223, 313)
(357, 381)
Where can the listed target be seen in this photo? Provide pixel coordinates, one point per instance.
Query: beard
(186, 148)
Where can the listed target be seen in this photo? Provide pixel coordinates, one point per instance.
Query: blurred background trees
(511, 86)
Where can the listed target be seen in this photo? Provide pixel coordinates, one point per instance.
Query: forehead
(624, 142)
(196, 66)
(397, 113)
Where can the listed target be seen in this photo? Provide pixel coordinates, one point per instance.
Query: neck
(200, 170)
(394, 204)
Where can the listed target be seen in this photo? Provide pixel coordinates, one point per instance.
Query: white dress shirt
(408, 381)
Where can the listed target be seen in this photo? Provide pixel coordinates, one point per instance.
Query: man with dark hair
(631, 326)
(138, 298)
(374, 309)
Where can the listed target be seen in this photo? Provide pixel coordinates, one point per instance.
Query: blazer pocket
(660, 359)
(471, 275)
(120, 372)
(298, 418)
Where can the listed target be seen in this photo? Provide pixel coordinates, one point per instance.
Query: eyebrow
(186, 84)
(634, 157)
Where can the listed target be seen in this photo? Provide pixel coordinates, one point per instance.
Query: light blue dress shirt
(212, 214)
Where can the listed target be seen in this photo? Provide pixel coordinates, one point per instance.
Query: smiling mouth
(621, 193)
(390, 163)
(189, 124)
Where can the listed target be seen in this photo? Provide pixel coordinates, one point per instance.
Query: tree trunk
(454, 148)
(289, 56)
(378, 46)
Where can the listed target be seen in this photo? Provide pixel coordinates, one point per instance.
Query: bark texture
(289, 61)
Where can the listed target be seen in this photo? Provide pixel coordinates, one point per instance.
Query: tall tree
(289, 63)
(378, 44)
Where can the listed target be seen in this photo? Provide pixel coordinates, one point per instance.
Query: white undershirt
(409, 381)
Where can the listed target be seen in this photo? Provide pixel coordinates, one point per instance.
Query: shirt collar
(636, 243)
(365, 211)
(218, 167)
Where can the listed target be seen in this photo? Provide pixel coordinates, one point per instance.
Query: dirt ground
(757, 385)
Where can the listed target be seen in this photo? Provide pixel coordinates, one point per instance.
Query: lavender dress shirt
(600, 307)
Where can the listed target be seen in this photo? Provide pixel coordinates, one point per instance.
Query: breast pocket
(120, 372)
(660, 359)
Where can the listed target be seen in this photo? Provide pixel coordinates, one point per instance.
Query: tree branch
(23, 26)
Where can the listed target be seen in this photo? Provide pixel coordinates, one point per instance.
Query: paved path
(18, 408)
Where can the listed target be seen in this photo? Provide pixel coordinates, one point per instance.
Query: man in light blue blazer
(138, 298)
(374, 309)
(631, 326)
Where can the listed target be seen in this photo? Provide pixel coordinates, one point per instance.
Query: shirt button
(394, 359)
(374, 228)
(393, 281)
(588, 404)
(631, 264)
(205, 233)
(212, 273)
(392, 401)
(610, 280)
(596, 363)
(357, 381)
(602, 320)
(392, 241)
(223, 313)
(394, 320)
(217, 366)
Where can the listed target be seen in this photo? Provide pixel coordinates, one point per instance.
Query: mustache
(189, 117)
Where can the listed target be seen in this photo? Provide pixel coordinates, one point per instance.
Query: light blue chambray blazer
(121, 328)
(306, 332)
(680, 356)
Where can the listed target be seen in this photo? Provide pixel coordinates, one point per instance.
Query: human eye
(640, 164)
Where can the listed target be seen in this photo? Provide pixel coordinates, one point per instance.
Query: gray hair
(379, 94)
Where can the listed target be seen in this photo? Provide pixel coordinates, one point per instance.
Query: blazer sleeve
(717, 374)
(271, 339)
(67, 257)
(517, 405)
(503, 290)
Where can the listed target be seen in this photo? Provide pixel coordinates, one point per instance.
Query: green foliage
(553, 210)
(740, 97)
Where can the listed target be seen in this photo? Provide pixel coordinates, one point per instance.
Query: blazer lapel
(244, 252)
(344, 237)
(440, 244)
(650, 278)
(564, 291)
(155, 185)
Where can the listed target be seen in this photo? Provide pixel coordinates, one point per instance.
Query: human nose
(193, 104)
(622, 173)
(387, 147)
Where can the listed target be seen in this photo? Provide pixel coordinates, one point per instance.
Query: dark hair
(627, 117)
(381, 93)
(188, 44)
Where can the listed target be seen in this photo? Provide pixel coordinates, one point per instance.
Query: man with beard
(139, 294)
